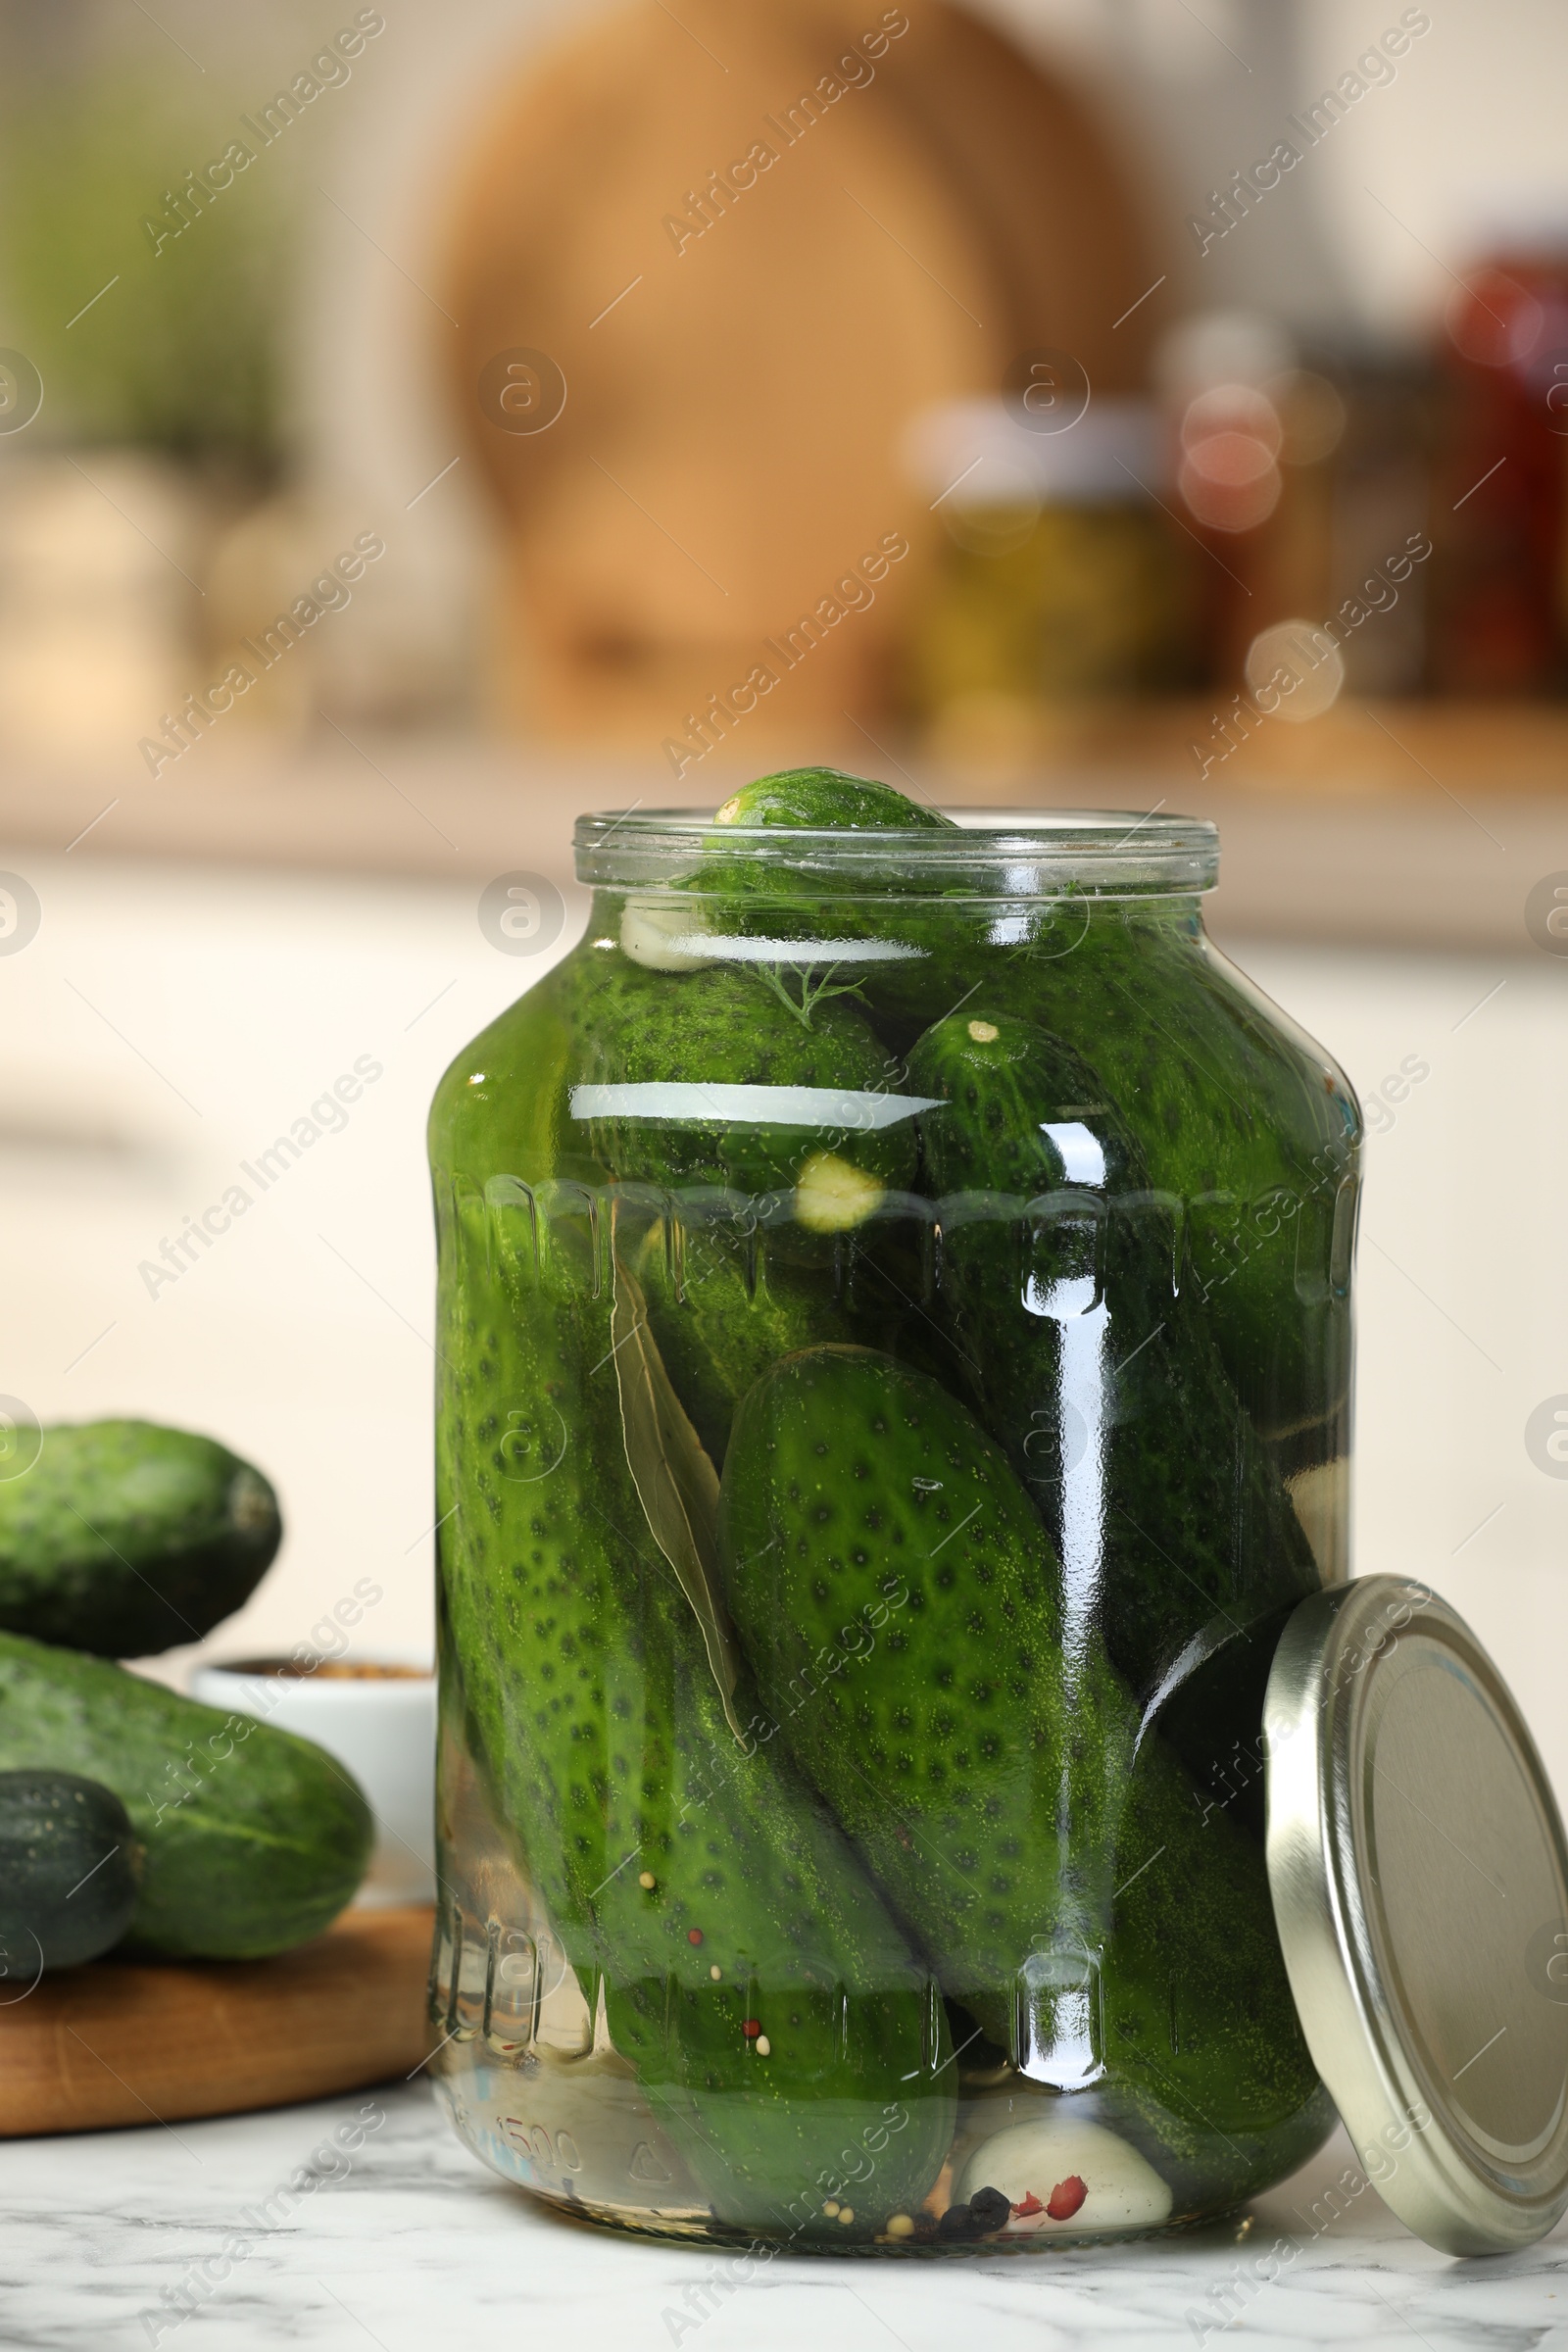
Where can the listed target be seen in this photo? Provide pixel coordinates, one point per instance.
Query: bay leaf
(676, 1483)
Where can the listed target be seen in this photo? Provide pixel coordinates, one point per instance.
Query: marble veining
(402, 2240)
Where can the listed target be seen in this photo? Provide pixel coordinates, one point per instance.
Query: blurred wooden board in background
(742, 344)
(1056, 197)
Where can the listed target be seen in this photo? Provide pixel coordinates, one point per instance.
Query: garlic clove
(1031, 2162)
(659, 934)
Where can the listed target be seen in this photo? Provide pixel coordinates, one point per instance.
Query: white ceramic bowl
(382, 1727)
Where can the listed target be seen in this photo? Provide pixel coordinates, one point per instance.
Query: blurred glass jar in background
(1061, 581)
(1306, 476)
(1500, 579)
(1375, 493)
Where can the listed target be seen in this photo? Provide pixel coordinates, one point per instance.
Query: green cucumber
(1250, 1124)
(254, 1840)
(1089, 1356)
(828, 799)
(820, 1165)
(901, 1608)
(907, 1621)
(125, 1538)
(722, 1310)
(737, 1206)
(594, 1713)
(1196, 2007)
(70, 1865)
(885, 941)
(1240, 1115)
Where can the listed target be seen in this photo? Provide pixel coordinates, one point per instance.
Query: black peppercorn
(989, 2209)
(958, 2223)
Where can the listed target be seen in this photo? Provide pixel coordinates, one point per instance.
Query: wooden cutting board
(140, 2043)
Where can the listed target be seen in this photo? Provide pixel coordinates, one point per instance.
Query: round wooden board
(746, 290)
(140, 2042)
(729, 448)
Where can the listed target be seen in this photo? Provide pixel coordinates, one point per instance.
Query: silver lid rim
(1424, 2163)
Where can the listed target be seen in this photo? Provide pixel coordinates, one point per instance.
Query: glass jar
(894, 1381)
(1061, 583)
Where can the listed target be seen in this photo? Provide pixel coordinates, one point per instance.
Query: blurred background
(419, 425)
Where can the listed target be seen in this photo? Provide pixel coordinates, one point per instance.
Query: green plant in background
(181, 353)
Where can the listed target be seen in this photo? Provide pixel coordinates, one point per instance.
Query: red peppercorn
(751, 2029)
(694, 1934)
(1066, 2198)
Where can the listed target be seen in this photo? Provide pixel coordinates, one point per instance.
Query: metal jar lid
(1420, 1885)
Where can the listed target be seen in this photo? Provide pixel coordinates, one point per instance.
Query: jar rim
(1012, 852)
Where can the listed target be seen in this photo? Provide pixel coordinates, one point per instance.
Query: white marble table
(407, 2243)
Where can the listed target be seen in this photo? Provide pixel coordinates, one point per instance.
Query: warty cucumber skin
(829, 799)
(1236, 1107)
(70, 1866)
(721, 1254)
(749, 893)
(724, 1309)
(1238, 1112)
(737, 1304)
(595, 1718)
(726, 1289)
(126, 1537)
(976, 1747)
(1150, 1476)
(984, 1758)
(1198, 2010)
(724, 1026)
(254, 1840)
(1249, 1120)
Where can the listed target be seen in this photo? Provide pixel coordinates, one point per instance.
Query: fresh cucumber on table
(125, 1538)
(255, 1840)
(69, 1868)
